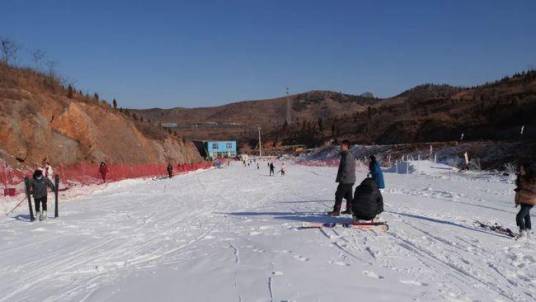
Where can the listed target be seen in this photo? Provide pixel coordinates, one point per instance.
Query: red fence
(9, 176)
(319, 163)
(85, 174)
(360, 165)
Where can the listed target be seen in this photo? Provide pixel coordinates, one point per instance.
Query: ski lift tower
(288, 109)
(260, 142)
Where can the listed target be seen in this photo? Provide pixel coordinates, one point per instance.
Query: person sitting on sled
(38, 189)
(368, 201)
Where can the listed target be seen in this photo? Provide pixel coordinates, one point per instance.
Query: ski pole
(18, 204)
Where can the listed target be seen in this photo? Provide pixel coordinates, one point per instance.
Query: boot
(38, 215)
(522, 234)
(334, 213)
(44, 215)
(347, 211)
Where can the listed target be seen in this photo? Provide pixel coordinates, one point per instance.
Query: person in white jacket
(48, 172)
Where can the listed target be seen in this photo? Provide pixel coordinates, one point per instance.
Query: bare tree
(51, 66)
(9, 50)
(38, 58)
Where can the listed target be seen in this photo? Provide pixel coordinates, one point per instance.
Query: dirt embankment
(41, 118)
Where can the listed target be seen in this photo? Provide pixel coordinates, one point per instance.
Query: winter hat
(372, 158)
(37, 174)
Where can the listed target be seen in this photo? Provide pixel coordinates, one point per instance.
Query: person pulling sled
(38, 189)
(346, 180)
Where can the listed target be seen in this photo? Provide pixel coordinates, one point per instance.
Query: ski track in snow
(232, 235)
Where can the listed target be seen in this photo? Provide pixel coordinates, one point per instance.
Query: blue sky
(204, 53)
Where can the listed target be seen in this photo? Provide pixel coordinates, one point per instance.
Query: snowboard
(497, 228)
(376, 225)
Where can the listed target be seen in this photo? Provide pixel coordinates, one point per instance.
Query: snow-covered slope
(231, 235)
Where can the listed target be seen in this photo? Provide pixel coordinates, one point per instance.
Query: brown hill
(493, 111)
(41, 118)
(240, 120)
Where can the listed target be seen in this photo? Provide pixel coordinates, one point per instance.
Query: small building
(215, 149)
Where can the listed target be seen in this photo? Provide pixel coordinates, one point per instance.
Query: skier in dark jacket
(38, 189)
(368, 201)
(103, 170)
(170, 170)
(346, 180)
(526, 197)
(376, 173)
(272, 169)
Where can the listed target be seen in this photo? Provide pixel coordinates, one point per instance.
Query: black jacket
(368, 201)
(38, 187)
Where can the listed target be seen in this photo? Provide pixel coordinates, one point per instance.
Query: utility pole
(260, 142)
(288, 109)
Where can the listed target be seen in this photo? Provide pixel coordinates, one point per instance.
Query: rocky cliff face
(39, 118)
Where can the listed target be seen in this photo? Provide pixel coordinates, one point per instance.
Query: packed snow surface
(232, 235)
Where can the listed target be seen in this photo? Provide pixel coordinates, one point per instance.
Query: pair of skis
(375, 225)
(29, 196)
(497, 228)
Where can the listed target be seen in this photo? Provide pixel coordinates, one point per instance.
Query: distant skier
(103, 171)
(346, 180)
(376, 173)
(272, 169)
(38, 189)
(525, 196)
(258, 167)
(368, 201)
(170, 170)
(283, 170)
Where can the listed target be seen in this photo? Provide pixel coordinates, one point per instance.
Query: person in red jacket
(103, 170)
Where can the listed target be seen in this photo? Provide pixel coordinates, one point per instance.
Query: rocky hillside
(41, 118)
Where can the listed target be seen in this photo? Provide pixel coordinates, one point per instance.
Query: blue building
(215, 149)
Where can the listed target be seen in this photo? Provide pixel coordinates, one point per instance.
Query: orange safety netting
(85, 173)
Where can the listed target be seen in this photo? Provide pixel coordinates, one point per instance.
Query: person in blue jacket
(376, 173)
